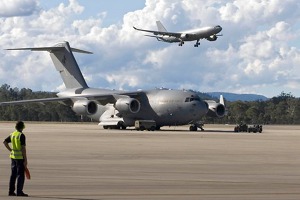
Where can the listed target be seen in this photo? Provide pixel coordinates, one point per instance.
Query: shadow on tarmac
(62, 198)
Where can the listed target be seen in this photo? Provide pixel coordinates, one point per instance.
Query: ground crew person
(18, 157)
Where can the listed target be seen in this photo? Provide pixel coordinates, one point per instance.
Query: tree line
(33, 111)
(282, 109)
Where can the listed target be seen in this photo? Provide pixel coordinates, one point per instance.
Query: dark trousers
(17, 174)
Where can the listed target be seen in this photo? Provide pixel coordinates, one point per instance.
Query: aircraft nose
(219, 28)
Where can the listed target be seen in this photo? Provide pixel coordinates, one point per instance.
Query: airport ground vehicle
(141, 125)
(241, 128)
(248, 128)
(255, 128)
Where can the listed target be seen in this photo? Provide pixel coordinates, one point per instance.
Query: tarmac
(82, 161)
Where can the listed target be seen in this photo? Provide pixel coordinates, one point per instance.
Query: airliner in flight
(210, 33)
(120, 109)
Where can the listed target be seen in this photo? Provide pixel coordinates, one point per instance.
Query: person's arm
(24, 155)
(23, 143)
(7, 146)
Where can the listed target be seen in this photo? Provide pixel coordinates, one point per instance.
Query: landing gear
(194, 127)
(197, 43)
(181, 43)
(121, 125)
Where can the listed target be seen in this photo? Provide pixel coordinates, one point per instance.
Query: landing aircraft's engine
(212, 38)
(216, 109)
(85, 107)
(184, 36)
(128, 105)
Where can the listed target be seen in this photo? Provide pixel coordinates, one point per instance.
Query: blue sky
(259, 51)
(115, 10)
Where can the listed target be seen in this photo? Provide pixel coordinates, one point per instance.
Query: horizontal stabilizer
(55, 48)
(151, 36)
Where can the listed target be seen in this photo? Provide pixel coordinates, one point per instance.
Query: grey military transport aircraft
(120, 109)
(210, 33)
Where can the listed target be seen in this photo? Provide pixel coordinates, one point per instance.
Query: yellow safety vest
(16, 152)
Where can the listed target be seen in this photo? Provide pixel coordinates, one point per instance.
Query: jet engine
(85, 107)
(215, 109)
(212, 38)
(184, 36)
(128, 105)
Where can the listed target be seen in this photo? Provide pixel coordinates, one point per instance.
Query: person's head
(20, 126)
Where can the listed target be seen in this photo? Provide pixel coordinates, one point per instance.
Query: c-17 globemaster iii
(120, 109)
(210, 33)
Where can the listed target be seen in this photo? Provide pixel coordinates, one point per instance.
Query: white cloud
(255, 11)
(13, 8)
(259, 51)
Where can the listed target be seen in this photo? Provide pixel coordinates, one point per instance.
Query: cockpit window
(190, 99)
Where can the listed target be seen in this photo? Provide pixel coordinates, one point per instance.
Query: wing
(160, 32)
(102, 99)
(55, 99)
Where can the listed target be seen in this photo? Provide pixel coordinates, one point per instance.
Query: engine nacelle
(216, 109)
(128, 105)
(184, 36)
(212, 38)
(85, 107)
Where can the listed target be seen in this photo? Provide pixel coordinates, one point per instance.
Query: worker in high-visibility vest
(16, 144)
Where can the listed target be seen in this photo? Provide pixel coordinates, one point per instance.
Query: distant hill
(238, 97)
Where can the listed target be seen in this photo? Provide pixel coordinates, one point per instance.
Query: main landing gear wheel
(197, 43)
(121, 125)
(180, 44)
(193, 128)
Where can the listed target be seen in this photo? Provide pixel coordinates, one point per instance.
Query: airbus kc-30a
(210, 33)
(120, 109)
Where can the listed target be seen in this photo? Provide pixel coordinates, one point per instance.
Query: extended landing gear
(181, 43)
(197, 43)
(194, 127)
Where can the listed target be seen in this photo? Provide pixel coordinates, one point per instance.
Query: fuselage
(165, 107)
(194, 34)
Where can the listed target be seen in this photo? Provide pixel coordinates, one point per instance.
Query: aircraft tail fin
(223, 103)
(65, 63)
(160, 27)
(222, 100)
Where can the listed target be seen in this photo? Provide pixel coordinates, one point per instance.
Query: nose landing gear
(194, 127)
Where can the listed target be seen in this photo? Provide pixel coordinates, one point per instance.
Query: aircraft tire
(193, 128)
(121, 125)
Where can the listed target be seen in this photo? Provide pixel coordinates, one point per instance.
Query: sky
(258, 53)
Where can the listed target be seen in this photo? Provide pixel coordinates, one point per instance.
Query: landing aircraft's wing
(160, 32)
